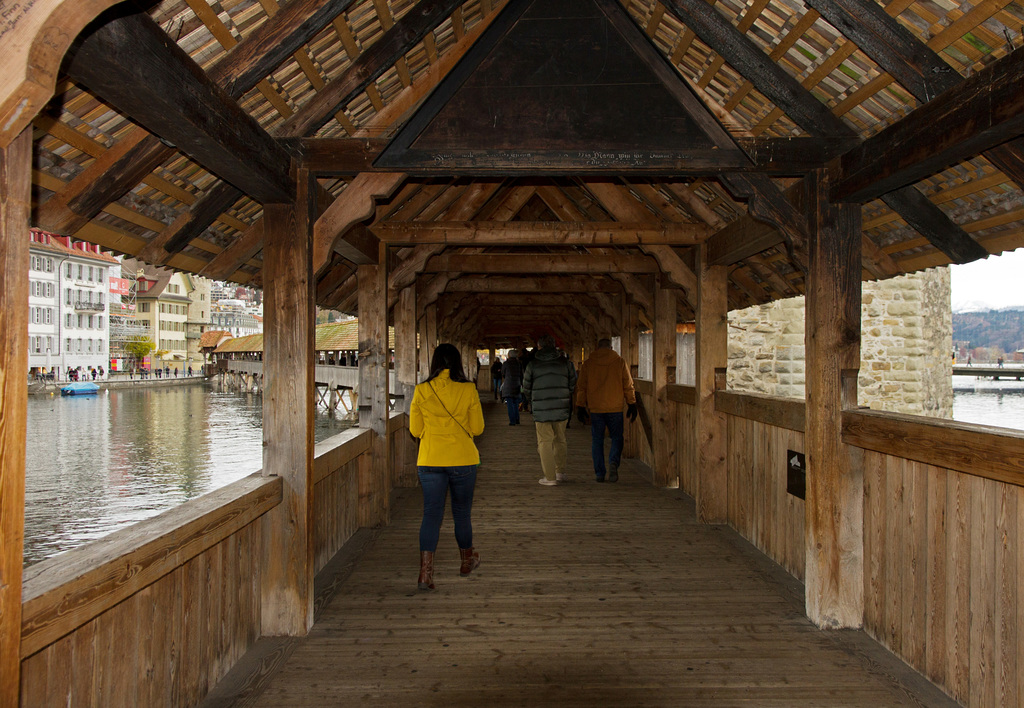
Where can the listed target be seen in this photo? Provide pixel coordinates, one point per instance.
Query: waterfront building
(233, 316)
(69, 295)
(198, 321)
(163, 302)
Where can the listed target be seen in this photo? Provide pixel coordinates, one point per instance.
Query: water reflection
(98, 463)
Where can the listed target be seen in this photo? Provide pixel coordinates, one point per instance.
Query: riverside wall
(906, 344)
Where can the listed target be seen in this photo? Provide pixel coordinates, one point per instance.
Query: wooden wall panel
(759, 507)
(943, 575)
(166, 644)
(686, 439)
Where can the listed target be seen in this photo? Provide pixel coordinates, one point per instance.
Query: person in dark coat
(511, 385)
(547, 385)
(496, 377)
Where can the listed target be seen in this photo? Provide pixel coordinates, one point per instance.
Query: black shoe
(599, 479)
(613, 473)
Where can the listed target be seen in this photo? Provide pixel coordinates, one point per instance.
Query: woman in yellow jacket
(446, 415)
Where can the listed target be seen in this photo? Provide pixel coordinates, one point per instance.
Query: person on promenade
(547, 385)
(496, 377)
(446, 416)
(604, 387)
(511, 385)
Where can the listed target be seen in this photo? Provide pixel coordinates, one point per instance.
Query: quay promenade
(588, 594)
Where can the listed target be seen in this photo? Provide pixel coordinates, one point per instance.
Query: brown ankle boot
(426, 580)
(470, 561)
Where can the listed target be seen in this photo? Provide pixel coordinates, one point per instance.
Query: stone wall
(906, 340)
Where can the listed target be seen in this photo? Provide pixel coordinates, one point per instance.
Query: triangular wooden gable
(558, 88)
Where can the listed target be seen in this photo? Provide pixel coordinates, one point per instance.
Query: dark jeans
(436, 481)
(497, 387)
(598, 423)
(513, 407)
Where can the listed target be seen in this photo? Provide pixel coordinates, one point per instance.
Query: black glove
(581, 414)
(631, 411)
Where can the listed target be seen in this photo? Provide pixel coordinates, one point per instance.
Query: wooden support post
(834, 506)
(374, 489)
(15, 214)
(712, 493)
(430, 338)
(405, 343)
(629, 350)
(666, 472)
(288, 560)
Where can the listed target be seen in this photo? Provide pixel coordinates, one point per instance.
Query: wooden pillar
(712, 325)
(429, 342)
(663, 425)
(834, 506)
(630, 351)
(405, 343)
(288, 335)
(15, 214)
(373, 389)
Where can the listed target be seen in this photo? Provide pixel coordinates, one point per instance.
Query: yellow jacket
(446, 441)
(604, 385)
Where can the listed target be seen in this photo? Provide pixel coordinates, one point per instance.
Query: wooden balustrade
(157, 613)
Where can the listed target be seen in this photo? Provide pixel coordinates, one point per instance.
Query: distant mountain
(991, 328)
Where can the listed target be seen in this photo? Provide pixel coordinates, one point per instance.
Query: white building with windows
(68, 305)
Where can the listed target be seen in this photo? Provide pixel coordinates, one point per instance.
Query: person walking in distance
(604, 388)
(496, 377)
(511, 385)
(446, 416)
(547, 387)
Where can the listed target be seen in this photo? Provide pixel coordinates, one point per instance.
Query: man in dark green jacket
(548, 384)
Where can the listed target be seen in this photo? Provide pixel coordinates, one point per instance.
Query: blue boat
(80, 388)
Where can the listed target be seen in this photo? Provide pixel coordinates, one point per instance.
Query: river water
(98, 463)
(987, 402)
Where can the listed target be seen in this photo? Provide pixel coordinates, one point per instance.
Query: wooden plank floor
(588, 595)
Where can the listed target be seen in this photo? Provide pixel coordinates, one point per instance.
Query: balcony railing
(89, 304)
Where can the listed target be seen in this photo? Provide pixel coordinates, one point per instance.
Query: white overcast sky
(997, 281)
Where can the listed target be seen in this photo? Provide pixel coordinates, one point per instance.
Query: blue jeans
(436, 481)
(598, 423)
(497, 387)
(513, 407)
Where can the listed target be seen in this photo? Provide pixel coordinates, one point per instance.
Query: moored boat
(80, 388)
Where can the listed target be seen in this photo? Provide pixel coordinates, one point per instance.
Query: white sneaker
(548, 482)
(562, 477)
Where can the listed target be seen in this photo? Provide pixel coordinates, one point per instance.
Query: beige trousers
(551, 446)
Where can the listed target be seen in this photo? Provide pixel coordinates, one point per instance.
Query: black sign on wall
(796, 474)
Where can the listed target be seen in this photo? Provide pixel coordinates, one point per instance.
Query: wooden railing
(155, 614)
(943, 530)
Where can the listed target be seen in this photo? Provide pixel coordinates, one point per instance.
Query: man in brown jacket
(604, 388)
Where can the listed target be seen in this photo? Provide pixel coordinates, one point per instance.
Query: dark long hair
(446, 356)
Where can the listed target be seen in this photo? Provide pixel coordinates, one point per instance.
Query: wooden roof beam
(981, 112)
(515, 233)
(133, 65)
(784, 90)
(394, 44)
(534, 284)
(510, 263)
(911, 62)
(331, 232)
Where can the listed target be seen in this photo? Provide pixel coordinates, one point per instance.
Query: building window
(99, 322)
(79, 271)
(67, 345)
(49, 344)
(79, 347)
(49, 290)
(90, 274)
(99, 345)
(49, 316)
(143, 307)
(68, 270)
(67, 297)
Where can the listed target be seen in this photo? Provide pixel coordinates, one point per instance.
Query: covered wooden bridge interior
(483, 171)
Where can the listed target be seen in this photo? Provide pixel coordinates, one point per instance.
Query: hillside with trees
(995, 330)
